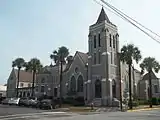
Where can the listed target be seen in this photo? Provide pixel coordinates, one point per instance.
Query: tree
(127, 55)
(120, 81)
(60, 57)
(69, 59)
(55, 57)
(19, 63)
(35, 66)
(149, 64)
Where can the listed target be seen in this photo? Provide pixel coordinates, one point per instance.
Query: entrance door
(55, 92)
(98, 89)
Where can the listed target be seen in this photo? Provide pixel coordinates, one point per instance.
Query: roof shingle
(24, 75)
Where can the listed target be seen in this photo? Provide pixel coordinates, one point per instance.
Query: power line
(129, 17)
(124, 18)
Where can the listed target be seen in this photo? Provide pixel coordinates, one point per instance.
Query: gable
(12, 75)
(77, 62)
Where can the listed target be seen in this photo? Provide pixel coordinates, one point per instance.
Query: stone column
(109, 80)
(104, 84)
(88, 90)
(104, 92)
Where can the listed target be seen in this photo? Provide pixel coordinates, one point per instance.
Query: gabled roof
(102, 17)
(146, 76)
(24, 76)
(83, 56)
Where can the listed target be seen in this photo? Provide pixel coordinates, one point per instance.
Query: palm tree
(35, 66)
(55, 57)
(120, 83)
(19, 63)
(149, 64)
(60, 56)
(69, 59)
(127, 55)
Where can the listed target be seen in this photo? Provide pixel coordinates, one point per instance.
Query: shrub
(79, 101)
(134, 103)
(68, 100)
(158, 100)
(143, 102)
(154, 101)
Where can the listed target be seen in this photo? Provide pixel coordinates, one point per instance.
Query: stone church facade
(94, 75)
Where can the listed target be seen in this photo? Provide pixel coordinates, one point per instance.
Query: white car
(13, 101)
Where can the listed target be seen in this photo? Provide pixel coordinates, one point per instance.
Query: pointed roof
(146, 76)
(102, 17)
(83, 56)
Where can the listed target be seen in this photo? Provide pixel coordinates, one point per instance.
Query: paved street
(21, 113)
(10, 110)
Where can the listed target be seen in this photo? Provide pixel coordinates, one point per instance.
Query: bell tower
(103, 41)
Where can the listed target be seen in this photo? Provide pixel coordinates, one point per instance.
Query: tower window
(94, 58)
(115, 59)
(95, 41)
(111, 58)
(113, 42)
(99, 57)
(110, 38)
(99, 40)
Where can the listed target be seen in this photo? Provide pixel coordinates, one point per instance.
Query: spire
(102, 17)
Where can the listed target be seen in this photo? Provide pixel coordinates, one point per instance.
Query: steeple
(102, 17)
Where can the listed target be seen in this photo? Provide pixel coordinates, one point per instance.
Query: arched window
(98, 89)
(28, 94)
(110, 39)
(80, 84)
(73, 84)
(95, 41)
(24, 94)
(114, 42)
(114, 88)
(99, 40)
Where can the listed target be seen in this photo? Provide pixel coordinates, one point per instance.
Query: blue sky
(34, 28)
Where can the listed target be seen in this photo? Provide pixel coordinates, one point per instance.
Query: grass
(78, 108)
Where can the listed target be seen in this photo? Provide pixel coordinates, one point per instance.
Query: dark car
(1, 99)
(5, 101)
(34, 103)
(46, 104)
(22, 101)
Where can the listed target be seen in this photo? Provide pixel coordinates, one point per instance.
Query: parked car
(33, 102)
(46, 104)
(13, 101)
(5, 101)
(26, 102)
(1, 99)
(22, 101)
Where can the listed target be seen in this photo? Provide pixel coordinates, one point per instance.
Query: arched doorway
(73, 84)
(98, 89)
(114, 88)
(80, 84)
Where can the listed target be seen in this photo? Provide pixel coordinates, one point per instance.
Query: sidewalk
(144, 108)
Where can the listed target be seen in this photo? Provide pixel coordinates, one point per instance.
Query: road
(11, 110)
(20, 113)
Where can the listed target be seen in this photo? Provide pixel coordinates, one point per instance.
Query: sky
(34, 28)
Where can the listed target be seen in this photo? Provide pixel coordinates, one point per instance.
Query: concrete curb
(144, 109)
